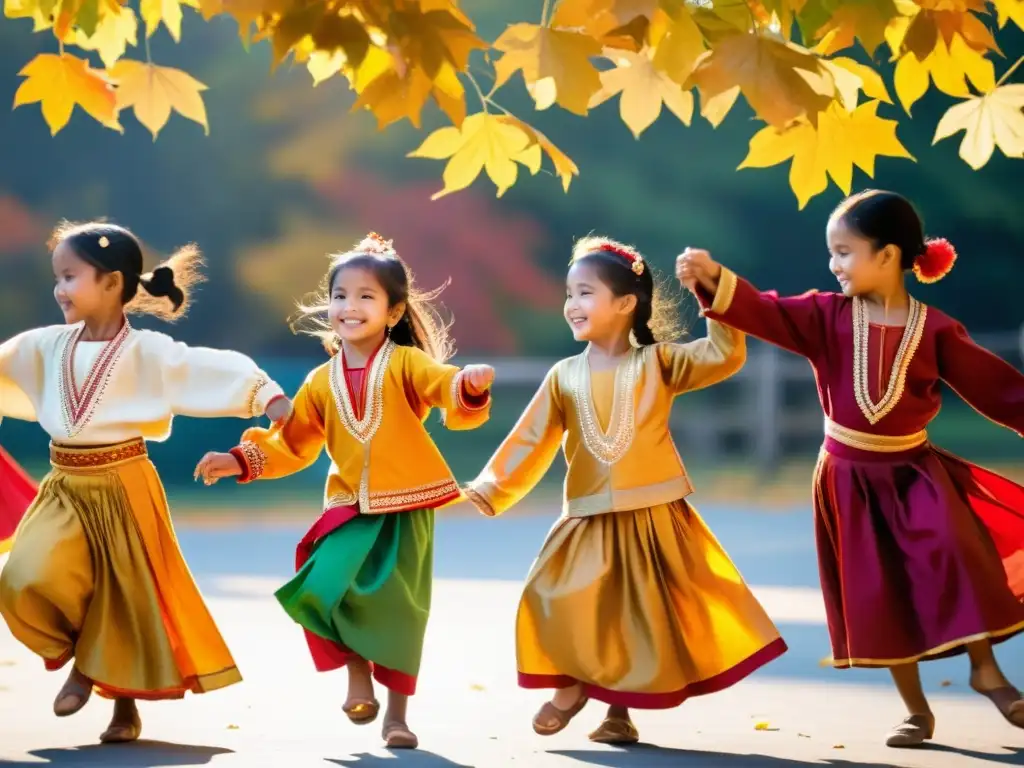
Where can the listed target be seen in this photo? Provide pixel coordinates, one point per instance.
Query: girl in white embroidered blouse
(95, 574)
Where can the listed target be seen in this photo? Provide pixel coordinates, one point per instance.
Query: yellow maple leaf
(989, 121)
(114, 33)
(29, 9)
(949, 69)
(865, 21)
(1009, 10)
(840, 141)
(643, 90)
(153, 91)
(781, 81)
(555, 64)
(392, 97)
(485, 142)
(565, 168)
(679, 47)
(59, 82)
(859, 77)
(168, 12)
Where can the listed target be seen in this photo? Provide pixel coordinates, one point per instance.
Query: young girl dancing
(95, 573)
(364, 569)
(631, 600)
(921, 554)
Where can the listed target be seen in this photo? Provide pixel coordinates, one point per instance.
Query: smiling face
(858, 266)
(359, 311)
(80, 290)
(592, 310)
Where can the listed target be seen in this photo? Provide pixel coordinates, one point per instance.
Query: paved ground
(469, 712)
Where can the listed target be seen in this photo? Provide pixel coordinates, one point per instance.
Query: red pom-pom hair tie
(375, 244)
(936, 261)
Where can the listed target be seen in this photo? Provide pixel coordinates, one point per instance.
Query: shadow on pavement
(651, 756)
(412, 758)
(153, 754)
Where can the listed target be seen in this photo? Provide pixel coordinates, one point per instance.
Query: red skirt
(16, 493)
(919, 554)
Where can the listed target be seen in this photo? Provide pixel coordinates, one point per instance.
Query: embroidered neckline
(911, 339)
(79, 405)
(608, 445)
(362, 429)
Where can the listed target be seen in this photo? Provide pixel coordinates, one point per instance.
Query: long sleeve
(701, 363)
(985, 381)
(282, 450)
(794, 323)
(21, 372)
(438, 385)
(525, 455)
(213, 383)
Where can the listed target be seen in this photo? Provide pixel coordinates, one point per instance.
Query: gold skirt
(643, 608)
(96, 574)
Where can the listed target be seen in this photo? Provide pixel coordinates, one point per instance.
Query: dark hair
(885, 218)
(655, 317)
(110, 248)
(420, 326)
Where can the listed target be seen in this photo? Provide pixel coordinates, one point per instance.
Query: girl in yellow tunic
(95, 573)
(631, 600)
(364, 569)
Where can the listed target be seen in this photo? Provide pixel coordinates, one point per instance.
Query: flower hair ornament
(935, 261)
(631, 256)
(103, 241)
(376, 244)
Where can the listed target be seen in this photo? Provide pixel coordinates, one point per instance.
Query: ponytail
(169, 284)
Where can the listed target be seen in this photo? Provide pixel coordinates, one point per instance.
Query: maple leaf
(840, 141)
(392, 97)
(114, 33)
(948, 67)
(61, 81)
(485, 142)
(781, 81)
(864, 20)
(555, 64)
(1009, 10)
(613, 23)
(565, 168)
(852, 77)
(29, 9)
(168, 12)
(153, 91)
(435, 38)
(643, 90)
(679, 46)
(989, 121)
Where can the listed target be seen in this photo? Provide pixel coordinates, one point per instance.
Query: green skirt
(365, 592)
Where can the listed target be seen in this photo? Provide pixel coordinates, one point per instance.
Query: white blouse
(102, 392)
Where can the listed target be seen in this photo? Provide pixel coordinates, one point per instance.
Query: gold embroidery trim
(912, 334)
(365, 428)
(379, 502)
(608, 446)
(479, 501)
(78, 407)
(67, 457)
(255, 459)
(254, 394)
(865, 441)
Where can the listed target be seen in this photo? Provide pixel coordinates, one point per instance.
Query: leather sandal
(398, 736)
(77, 692)
(361, 711)
(616, 730)
(912, 732)
(561, 717)
(1008, 701)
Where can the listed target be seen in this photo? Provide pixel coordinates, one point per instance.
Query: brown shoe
(361, 711)
(912, 732)
(398, 736)
(549, 720)
(616, 730)
(1008, 701)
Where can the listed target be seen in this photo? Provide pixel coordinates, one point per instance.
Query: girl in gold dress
(95, 577)
(631, 600)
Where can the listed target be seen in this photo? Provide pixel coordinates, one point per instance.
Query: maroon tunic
(919, 551)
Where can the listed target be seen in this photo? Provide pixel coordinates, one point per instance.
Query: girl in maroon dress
(920, 553)
(16, 492)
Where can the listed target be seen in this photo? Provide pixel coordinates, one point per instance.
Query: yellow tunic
(380, 463)
(95, 572)
(631, 594)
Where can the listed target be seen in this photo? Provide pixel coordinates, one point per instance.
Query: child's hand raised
(695, 265)
(478, 378)
(214, 466)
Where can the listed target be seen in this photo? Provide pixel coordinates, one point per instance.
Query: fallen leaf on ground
(764, 726)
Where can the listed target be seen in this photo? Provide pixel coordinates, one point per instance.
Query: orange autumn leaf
(59, 82)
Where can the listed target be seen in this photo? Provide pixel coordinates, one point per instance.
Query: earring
(387, 331)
